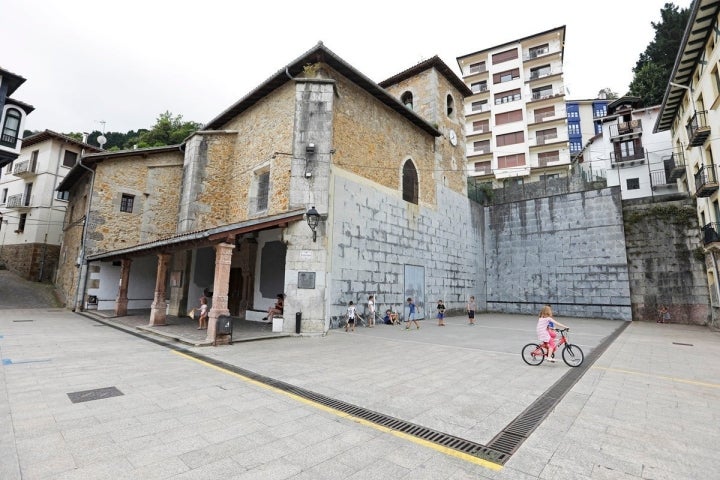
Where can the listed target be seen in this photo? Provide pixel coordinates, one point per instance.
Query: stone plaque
(306, 280)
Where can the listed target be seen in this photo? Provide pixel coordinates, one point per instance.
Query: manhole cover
(96, 394)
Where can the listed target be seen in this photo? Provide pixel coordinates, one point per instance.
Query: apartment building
(584, 118)
(12, 116)
(689, 112)
(516, 120)
(31, 209)
(628, 154)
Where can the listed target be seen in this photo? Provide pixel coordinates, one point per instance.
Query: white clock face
(453, 137)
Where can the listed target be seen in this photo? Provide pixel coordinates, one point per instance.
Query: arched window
(407, 100)
(450, 105)
(410, 183)
(11, 128)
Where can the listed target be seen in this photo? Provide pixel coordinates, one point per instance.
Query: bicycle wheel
(533, 354)
(573, 355)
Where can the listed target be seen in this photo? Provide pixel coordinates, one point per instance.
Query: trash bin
(277, 324)
(298, 318)
(92, 302)
(224, 326)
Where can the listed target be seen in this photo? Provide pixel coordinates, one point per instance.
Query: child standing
(371, 311)
(411, 315)
(351, 314)
(471, 307)
(441, 313)
(203, 314)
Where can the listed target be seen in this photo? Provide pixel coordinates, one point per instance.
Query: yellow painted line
(663, 377)
(362, 421)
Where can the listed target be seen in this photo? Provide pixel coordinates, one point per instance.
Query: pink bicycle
(572, 355)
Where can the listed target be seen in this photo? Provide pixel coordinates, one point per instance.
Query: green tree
(607, 93)
(168, 130)
(654, 66)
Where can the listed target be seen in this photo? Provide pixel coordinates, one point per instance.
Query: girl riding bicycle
(544, 333)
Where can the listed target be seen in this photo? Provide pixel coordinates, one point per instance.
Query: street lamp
(312, 217)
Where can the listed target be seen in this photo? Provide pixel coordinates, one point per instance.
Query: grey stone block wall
(662, 240)
(566, 250)
(375, 235)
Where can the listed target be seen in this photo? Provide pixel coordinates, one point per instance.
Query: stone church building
(227, 210)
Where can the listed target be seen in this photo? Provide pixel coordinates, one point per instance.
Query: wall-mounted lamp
(312, 217)
(310, 148)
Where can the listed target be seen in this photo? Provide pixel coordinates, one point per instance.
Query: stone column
(158, 308)
(223, 259)
(121, 302)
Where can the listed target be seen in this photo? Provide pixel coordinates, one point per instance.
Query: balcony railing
(545, 94)
(538, 74)
(18, 201)
(697, 129)
(481, 150)
(710, 233)
(479, 88)
(476, 70)
(479, 108)
(625, 130)
(706, 181)
(24, 168)
(627, 159)
(545, 161)
(536, 53)
(8, 140)
(547, 138)
(675, 165)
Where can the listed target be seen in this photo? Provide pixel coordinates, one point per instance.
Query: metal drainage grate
(96, 394)
(685, 344)
(20, 321)
(517, 431)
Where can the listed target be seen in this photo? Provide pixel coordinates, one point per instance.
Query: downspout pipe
(82, 277)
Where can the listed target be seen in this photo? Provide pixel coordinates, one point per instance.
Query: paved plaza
(646, 409)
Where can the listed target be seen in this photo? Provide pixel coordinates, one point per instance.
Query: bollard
(298, 317)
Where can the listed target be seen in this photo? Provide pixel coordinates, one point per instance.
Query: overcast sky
(125, 62)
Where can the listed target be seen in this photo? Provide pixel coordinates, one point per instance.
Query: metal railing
(8, 140)
(710, 233)
(623, 129)
(697, 128)
(18, 200)
(536, 52)
(620, 157)
(26, 166)
(542, 95)
(705, 181)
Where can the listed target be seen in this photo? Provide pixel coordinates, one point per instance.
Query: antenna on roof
(102, 140)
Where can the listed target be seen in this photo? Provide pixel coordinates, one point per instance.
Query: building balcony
(706, 182)
(698, 129)
(18, 202)
(625, 130)
(26, 168)
(538, 75)
(555, 93)
(548, 139)
(711, 238)
(8, 141)
(479, 90)
(539, 53)
(627, 159)
(477, 110)
(675, 166)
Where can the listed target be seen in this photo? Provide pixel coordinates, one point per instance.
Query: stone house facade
(225, 212)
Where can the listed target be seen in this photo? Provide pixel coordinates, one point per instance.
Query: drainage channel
(517, 431)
